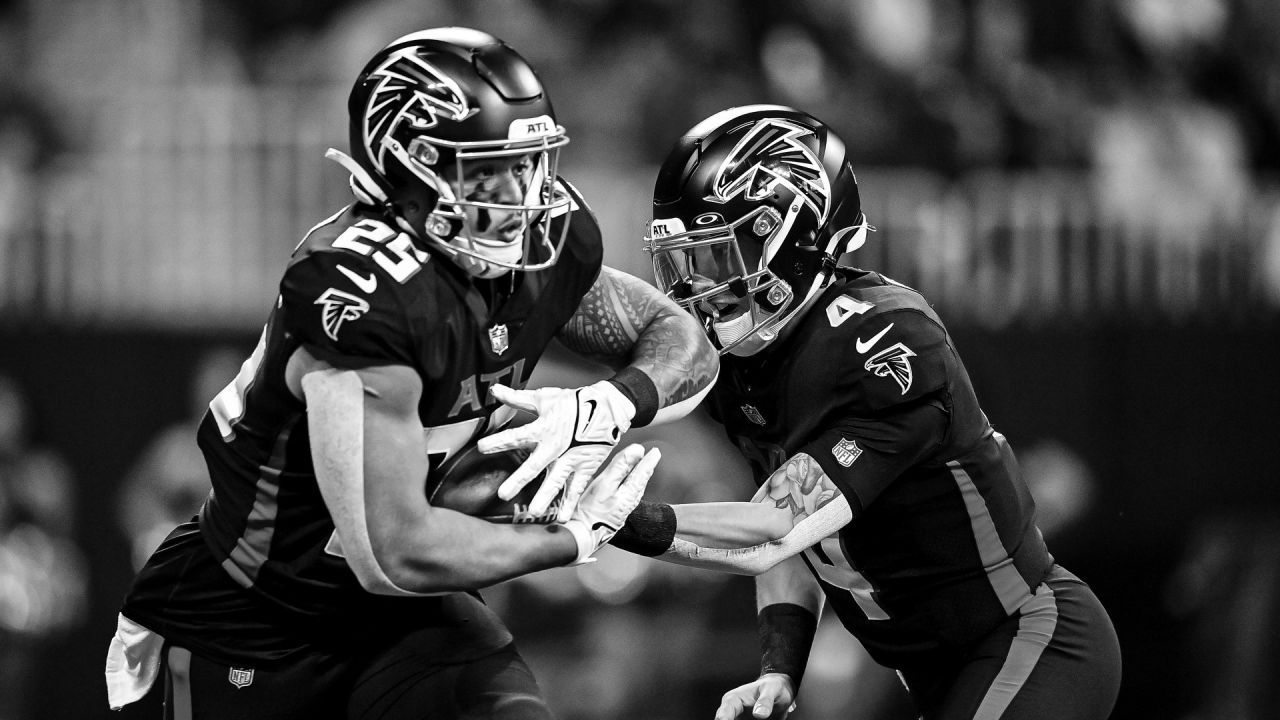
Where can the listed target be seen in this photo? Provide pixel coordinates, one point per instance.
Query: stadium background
(1086, 191)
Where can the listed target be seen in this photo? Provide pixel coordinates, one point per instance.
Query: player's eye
(481, 173)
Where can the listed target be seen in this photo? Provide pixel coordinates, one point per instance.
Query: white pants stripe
(1039, 619)
(180, 677)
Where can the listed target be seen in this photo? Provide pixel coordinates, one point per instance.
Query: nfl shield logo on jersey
(240, 677)
(846, 451)
(753, 414)
(498, 339)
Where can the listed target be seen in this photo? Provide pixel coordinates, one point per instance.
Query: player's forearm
(730, 524)
(447, 551)
(628, 325)
(789, 582)
(677, 357)
(370, 463)
(789, 603)
(426, 549)
(741, 538)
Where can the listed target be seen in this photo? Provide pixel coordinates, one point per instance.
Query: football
(469, 481)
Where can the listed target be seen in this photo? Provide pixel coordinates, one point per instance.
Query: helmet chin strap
(370, 192)
(366, 189)
(769, 331)
(856, 234)
(363, 186)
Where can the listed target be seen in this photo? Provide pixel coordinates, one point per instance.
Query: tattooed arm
(796, 507)
(625, 322)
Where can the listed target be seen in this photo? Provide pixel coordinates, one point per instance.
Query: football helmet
(751, 210)
(453, 122)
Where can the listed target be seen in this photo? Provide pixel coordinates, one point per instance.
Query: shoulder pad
(341, 308)
(576, 201)
(584, 244)
(859, 302)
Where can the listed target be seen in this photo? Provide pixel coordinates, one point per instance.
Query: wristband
(585, 542)
(786, 635)
(648, 531)
(638, 387)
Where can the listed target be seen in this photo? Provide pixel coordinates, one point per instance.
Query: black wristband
(648, 531)
(786, 635)
(638, 387)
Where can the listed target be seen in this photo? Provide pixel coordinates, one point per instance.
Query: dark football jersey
(945, 546)
(356, 292)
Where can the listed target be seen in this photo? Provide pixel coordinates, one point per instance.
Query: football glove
(770, 696)
(573, 434)
(609, 499)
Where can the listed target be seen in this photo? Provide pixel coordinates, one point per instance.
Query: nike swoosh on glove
(573, 434)
(609, 499)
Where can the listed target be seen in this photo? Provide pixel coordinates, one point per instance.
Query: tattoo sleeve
(800, 486)
(624, 321)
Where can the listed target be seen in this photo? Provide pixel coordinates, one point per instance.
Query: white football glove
(610, 498)
(574, 432)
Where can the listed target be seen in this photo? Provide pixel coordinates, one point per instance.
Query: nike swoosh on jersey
(862, 346)
(366, 284)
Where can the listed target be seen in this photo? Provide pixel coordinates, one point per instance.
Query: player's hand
(574, 432)
(610, 498)
(771, 696)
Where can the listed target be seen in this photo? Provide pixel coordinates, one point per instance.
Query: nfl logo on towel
(240, 677)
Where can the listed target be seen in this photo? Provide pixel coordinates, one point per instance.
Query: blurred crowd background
(1087, 191)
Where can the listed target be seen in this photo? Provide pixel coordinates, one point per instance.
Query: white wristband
(586, 542)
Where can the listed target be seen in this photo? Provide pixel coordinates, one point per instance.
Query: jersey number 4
(828, 562)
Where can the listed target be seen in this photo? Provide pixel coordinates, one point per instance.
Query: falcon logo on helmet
(339, 307)
(770, 154)
(409, 90)
(893, 362)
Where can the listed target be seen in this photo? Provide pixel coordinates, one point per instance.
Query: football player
(317, 581)
(884, 492)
